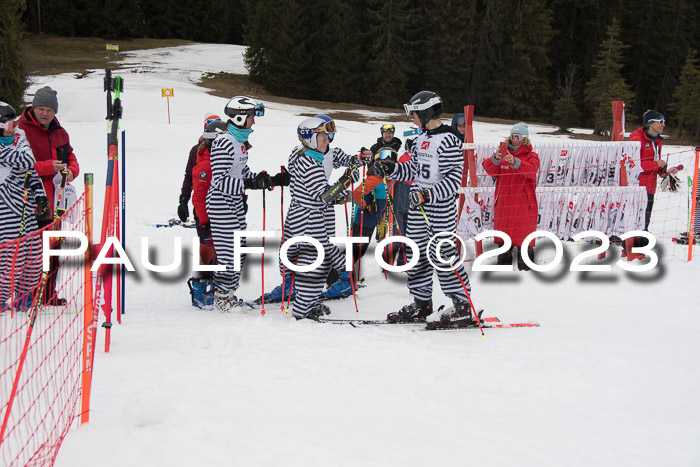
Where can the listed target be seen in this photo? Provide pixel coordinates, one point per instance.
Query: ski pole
(454, 269)
(352, 273)
(362, 218)
(396, 222)
(262, 267)
(284, 267)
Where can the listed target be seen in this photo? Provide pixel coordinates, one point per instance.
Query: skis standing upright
(110, 216)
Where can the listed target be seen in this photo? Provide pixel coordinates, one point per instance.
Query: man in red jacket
(652, 164)
(53, 153)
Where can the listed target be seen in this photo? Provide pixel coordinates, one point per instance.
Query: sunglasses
(386, 154)
(516, 137)
(660, 120)
(9, 126)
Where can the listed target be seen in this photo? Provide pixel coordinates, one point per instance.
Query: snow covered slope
(610, 378)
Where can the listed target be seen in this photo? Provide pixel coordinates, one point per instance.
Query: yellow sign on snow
(167, 92)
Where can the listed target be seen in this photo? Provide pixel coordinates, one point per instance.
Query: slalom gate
(46, 350)
(583, 186)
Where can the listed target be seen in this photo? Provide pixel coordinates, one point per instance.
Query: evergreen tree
(686, 97)
(389, 64)
(607, 83)
(448, 57)
(12, 80)
(343, 58)
(566, 112)
(659, 34)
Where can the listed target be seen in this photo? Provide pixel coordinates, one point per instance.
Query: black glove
(262, 181)
(43, 212)
(371, 208)
(245, 203)
(183, 210)
(385, 166)
(281, 179)
(204, 232)
(365, 156)
(340, 200)
(351, 175)
(419, 198)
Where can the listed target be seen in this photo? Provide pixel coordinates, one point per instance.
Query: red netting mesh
(578, 189)
(40, 348)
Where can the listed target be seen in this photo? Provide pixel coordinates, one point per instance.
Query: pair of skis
(486, 323)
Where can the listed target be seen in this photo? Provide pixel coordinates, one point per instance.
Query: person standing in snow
(387, 139)
(515, 209)
(458, 125)
(436, 169)
(338, 281)
(183, 209)
(200, 284)
(21, 194)
(649, 135)
(308, 214)
(225, 206)
(53, 152)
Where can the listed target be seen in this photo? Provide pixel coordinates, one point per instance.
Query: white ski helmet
(308, 131)
(239, 107)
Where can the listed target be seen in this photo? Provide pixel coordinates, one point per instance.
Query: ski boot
(530, 253)
(276, 295)
(202, 293)
(416, 312)
(24, 303)
(505, 258)
(316, 312)
(226, 301)
(459, 314)
(339, 289)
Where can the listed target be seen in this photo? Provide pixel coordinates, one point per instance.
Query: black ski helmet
(212, 130)
(427, 104)
(7, 113)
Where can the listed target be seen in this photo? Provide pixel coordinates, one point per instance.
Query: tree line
(559, 61)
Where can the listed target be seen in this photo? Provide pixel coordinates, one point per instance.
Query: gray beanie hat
(45, 97)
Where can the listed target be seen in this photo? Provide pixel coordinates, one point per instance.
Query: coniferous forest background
(559, 61)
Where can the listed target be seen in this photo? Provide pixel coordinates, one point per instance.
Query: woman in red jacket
(515, 167)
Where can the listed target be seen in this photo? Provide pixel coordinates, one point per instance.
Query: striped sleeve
(341, 159)
(451, 167)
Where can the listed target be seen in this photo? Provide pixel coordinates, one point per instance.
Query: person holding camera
(515, 167)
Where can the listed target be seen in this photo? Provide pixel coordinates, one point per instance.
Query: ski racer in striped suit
(338, 280)
(308, 214)
(20, 263)
(225, 205)
(436, 168)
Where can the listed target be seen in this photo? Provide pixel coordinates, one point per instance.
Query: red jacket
(48, 146)
(650, 148)
(515, 205)
(201, 180)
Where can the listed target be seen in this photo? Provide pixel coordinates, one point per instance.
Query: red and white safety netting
(579, 189)
(41, 347)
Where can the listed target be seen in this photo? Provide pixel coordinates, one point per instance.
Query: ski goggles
(516, 137)
(9, 126)
(388, 127)
(412, 131)
(410, 108)
(328, 127)
(657, 120)
(386, 153)
(259, 110)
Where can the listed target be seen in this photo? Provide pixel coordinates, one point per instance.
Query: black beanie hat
(650, 115)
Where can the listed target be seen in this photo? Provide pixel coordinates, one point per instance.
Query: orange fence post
(89, 323)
